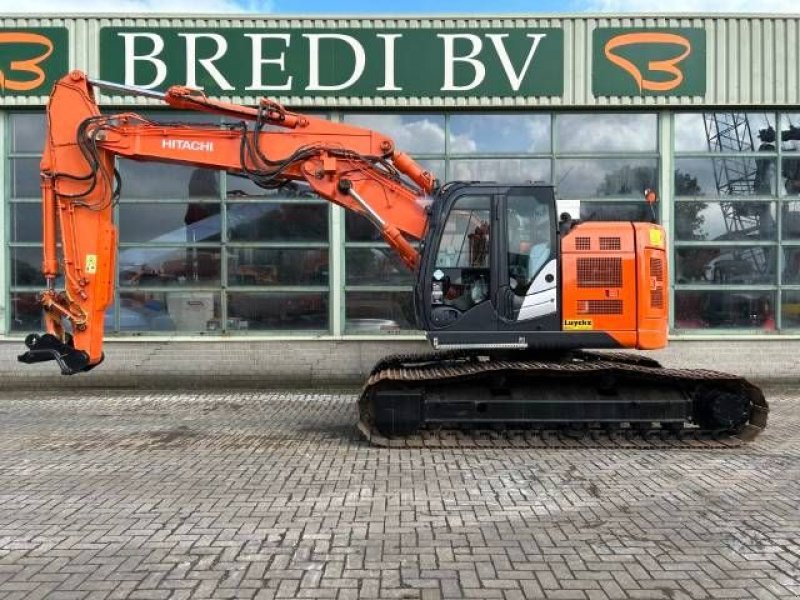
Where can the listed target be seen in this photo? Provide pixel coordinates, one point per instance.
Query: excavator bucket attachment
(42, 348)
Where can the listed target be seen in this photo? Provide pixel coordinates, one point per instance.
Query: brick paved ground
(241, 495)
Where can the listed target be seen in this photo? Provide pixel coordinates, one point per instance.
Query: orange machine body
(614, 280)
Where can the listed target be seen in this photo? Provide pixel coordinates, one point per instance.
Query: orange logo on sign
(30, 65)
(668, 65)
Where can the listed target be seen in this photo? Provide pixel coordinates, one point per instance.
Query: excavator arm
(356, 168)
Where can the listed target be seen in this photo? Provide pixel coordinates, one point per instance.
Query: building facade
(705, 110)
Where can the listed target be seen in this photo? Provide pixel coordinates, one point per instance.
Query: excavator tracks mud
(580, 370)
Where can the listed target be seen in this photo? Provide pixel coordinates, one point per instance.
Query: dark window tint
(278, 222)
(724, 309)
(169, 266)
(738, 265)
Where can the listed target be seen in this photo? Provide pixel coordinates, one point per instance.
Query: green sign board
(649, 62)
(368, 63)
(32, 59)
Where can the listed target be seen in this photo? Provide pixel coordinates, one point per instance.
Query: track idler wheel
(721, 409)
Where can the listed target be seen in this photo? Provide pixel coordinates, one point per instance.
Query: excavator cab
(489, 272)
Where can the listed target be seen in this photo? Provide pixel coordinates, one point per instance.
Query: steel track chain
(443, 366)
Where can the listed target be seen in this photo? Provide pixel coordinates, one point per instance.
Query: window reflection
(159, 181)
(277, 266)
(588, 178)
(376, 266)
(379, 312)
(26, 267)
(724, 132)
(791, 265)
(278, 221)
(791, 220)
(733, 176)
(191, 312)
(617, 211)
(506, 170)
(26, 312)
(420, 134)
(492, 133)
(169, 266)
(277, 311)
(790, 173)
(739, 265)
(25, 178)
(719, 309)
(790, 309)
(27, 132)
(613, 132)
(710, 221)
(26, 222)
(184, 222)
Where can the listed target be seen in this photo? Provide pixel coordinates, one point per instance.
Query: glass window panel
(415, 134)
(739, 265)
(26, 312)
(724, 309)
(25, 178)
(185, 222)
(242, 187)
(26, 265)
(791, 265)
(26, 222)
(592, 210)
(359, 229)
(163, 181)
(278, 222)
(505, 170)
(191, 312)
(791, 220)
(733, 176)
(492, 133)
(27, 132)
(169, 266)
(724, 132)
(376, 266)
(587, 178)
(278, 311)
(790, 132)
(725, 221)
(277, 266)
(379, 312)
(615, 132)
(790, 176)
(790, 309)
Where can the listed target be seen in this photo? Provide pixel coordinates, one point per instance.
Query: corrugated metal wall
(751, 61)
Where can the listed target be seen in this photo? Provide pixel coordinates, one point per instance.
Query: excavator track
(395, 374)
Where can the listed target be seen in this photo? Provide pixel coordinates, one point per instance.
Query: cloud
(693, 6)
(137, 6)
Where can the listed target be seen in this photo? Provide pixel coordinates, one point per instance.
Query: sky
(367, 7)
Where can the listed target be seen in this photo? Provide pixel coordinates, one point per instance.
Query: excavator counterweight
(509, 294)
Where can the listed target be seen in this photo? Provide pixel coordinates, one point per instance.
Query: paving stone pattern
(273, 495)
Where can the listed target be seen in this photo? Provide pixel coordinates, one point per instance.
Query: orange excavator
(508, 293)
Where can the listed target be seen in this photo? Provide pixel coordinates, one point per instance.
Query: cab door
(460, 280)
(528, 263)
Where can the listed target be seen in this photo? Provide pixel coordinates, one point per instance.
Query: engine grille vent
(599, 307)
(599, 272)
(657, 269)
(610, 243)
(657, 298)
(583, 243)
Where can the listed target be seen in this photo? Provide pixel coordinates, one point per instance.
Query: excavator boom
(356, 168)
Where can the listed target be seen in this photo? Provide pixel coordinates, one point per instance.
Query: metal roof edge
(407, 16)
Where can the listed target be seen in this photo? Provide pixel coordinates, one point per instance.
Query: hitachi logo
(194, 146)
